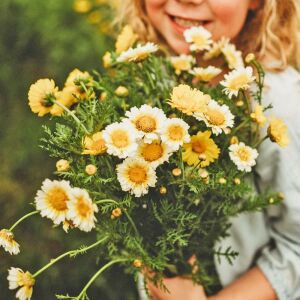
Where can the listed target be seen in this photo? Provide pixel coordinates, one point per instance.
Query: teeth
(187, 23)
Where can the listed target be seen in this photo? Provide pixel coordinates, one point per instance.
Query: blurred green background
(45, 39)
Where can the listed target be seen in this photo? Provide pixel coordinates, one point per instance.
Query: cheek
(230, 16)
(154, 10)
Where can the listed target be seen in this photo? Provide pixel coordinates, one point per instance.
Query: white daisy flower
(136, 176)
(233, 56)
(139, 53)
(239, 79)
(147, 120)
(155, 153)
(243, 156)
(216, 49)
(18, 278)
(199, 37)
(8, 242)
(120, 139)
(206, 74)
(82, 210)
(217, 117)
(182, 62)
(175, 133)
(52, 200)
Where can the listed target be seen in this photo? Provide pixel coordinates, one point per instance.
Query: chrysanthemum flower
(120, 139)
(155, 153)
(206, 74)
(258, 115)
(125, 39)
(17, 278)
(175, 133)
(182, 62)
(217, 117)
(62, 165)
(277, 131)
(95, 144)
(8, 242)
(188, 100)
(243, 156)
(199, 37)
(201, 150)
(232, 56)
(239, 79)
(216, 49)
(41, 95)
(73, 87)
(52, 200)
(147, 120)
(137, 54)
(82, 210)
(136, 176)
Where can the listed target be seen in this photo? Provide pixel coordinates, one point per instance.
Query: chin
(180, 47)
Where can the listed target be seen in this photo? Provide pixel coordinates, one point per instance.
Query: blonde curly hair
(272, 31)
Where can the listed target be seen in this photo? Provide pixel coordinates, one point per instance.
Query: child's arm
(252, 285)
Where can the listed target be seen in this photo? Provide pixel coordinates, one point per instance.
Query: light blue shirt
(271, 239)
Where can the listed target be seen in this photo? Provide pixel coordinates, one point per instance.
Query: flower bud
(163, 190)
(222, 180)
(122, 91)
(137, 263)
(91, 169)
(249, 58)
(62, 165)
(176, 172)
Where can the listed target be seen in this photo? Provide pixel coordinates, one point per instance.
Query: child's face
(220, 17)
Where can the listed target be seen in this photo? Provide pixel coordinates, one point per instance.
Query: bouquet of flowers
(152, 156)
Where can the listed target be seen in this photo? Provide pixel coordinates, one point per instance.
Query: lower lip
(180, 29)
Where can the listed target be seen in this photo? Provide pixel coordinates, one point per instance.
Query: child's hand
(179, 288)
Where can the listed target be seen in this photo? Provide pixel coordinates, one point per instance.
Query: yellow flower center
(26, 279)
(199, 40)
(83, 207)
(146, 123)
(176, 132)
(58, 199)
(215, 117)
(182, 65)
(137, 174)
(243, 154)
(98, 145)
(198, 146)
(120, 138)
(238, 82)
(152, 152)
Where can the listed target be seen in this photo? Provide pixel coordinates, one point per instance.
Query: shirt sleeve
(279, 169)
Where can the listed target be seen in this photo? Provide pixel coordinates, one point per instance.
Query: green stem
(260, 142)
(97, 274)
(23, 218)
(72, 115)
(125, 212)
(69, 253)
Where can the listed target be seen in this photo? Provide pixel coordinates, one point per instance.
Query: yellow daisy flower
(73, 83)
(8, 242)
(258, 115)
(216, 49)
(201, 149)
(82, 210)
(41, 95)
(239, 79)
(66, 98)
(136, 176)
(155, 153)
(206, 74)
(17, 278)
(125, 39)
(182, 63)
(137, 54)
(52, 199)
(277, 132)
(188, 100)
(233, 56)
(94, 145)
(199, 37)
(82, 6)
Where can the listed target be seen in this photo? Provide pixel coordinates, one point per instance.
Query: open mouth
(187, 23)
